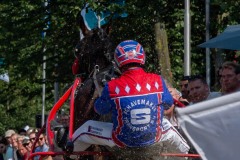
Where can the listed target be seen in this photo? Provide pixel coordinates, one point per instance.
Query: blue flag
(90, 17)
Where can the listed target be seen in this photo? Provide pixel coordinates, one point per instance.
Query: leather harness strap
(96, 70)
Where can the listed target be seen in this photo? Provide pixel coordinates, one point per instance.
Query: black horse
(96, 67)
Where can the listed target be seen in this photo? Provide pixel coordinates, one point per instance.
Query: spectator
(133, 94)
(42, 146)
(19, 143)
(20, 139)
(8, 135)
(27, 144)
(9, 152)
(184, 87)
(22, 132)
(30, 130)
(3, 148)
(63, 119)
(33, 141)
(15, 145)
(32, 138)
(22, 152)
(14, 140)
(230, 77)
(199, 89)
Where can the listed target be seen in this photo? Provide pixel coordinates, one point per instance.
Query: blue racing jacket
(137, 100)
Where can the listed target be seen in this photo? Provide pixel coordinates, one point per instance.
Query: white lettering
(140, 116)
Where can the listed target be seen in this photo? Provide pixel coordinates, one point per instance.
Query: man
(41, 145)
(184, 87)
(32, 138)
(9, 152)
(137, 101)
(230, 77)
(199, 90)
(28, 145)
(14, 138)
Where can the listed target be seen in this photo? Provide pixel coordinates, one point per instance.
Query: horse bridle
(96, 70)
(109, 75)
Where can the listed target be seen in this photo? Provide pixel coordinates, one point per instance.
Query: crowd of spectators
(194, 89)
(18, 145)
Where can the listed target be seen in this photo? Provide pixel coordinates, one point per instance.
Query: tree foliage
(22, 45)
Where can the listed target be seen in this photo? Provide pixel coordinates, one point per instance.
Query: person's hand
(169, 111)
(183, 100)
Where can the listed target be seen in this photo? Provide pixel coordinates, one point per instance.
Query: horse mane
(94, 49)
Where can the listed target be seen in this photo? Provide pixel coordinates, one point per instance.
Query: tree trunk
(162, 51)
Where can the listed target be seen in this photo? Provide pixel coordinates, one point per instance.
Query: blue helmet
(129, 51)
